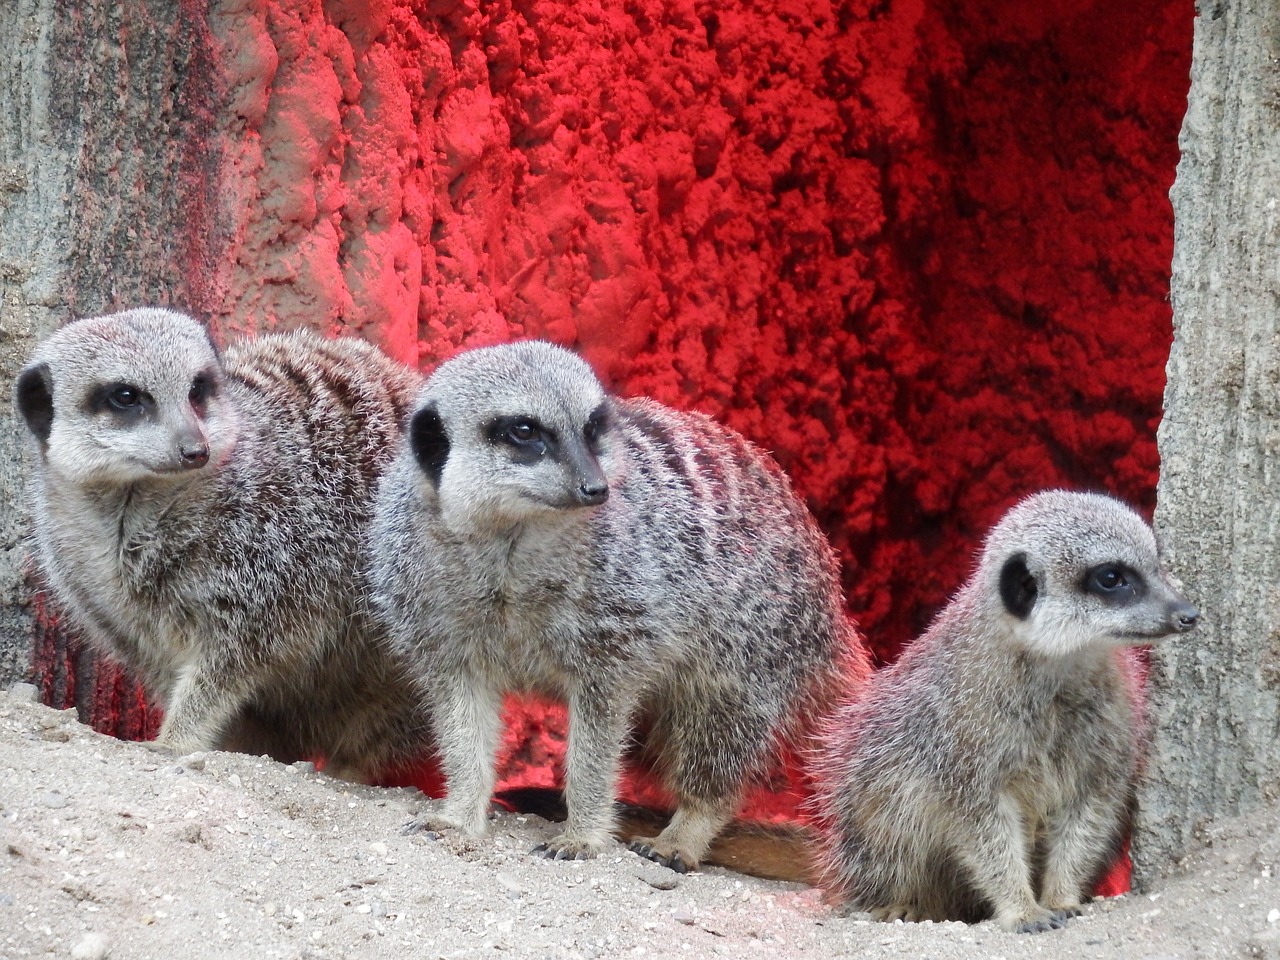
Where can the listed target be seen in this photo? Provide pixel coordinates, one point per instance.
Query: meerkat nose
(592, 492)
(1185, 616)
(194, 454)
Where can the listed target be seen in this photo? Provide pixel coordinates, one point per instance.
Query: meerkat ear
(34, 396)
(429, 441)
(1018, 586)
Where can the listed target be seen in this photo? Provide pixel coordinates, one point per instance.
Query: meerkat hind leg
(719, 743)
(684, 842)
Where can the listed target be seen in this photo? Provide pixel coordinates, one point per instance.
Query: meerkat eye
(1113, 581)
(1109, 578)
(125, 397)
(529, 441)
(522, 432)
(125, 400)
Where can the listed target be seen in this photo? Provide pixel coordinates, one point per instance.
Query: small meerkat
(990, 771)
(650, 567)
(200, 518)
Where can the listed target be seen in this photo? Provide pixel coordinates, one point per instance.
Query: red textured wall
(917, 249)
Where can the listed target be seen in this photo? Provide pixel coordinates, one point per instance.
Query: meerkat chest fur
(1069, 712)
(1018, 718)
(524, 598)
(111, 554)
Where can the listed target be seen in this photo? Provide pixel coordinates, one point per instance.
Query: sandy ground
(110, 849)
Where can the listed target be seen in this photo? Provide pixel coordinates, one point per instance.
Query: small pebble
(24, 692)
(510, 883)
(378, 848)
(92, 946)
(1264, 945)
(659, 878)
(54, 800)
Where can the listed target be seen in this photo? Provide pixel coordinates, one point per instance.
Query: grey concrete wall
(1215, 694)
(105, 172)
(36, 172)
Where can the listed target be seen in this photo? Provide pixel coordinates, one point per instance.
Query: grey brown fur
(650, 567)
(201, 521)
(990, 771)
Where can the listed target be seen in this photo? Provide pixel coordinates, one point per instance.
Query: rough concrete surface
(103, 108)
(31, 273)
(1216, 701)
(108, 849)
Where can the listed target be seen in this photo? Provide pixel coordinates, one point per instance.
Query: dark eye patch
(1114, 583)
(527, 438)
(124, 400)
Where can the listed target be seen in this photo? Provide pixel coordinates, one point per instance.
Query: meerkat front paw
(442, 821)
(1066, 911)
(652, 848)
(1041, 921)
(906, 912)
(568, 847)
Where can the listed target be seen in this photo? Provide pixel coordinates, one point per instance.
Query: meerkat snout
(593, 494)
(194, 454)
(593, 486)
(1184, 617)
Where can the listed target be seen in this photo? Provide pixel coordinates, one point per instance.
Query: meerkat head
(128, 397)
(510, 433)
(1075, 569)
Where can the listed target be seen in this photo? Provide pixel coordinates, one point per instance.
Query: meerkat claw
(416, 827)
(674, 862)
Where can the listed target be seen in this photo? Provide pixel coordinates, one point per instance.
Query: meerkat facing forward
(200, 519)
(650, 567)
(990, 770)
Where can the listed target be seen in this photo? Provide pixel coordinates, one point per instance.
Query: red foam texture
(920, 251)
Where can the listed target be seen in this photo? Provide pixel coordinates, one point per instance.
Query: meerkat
(200, 518)
(651, 568)
(989, 772)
